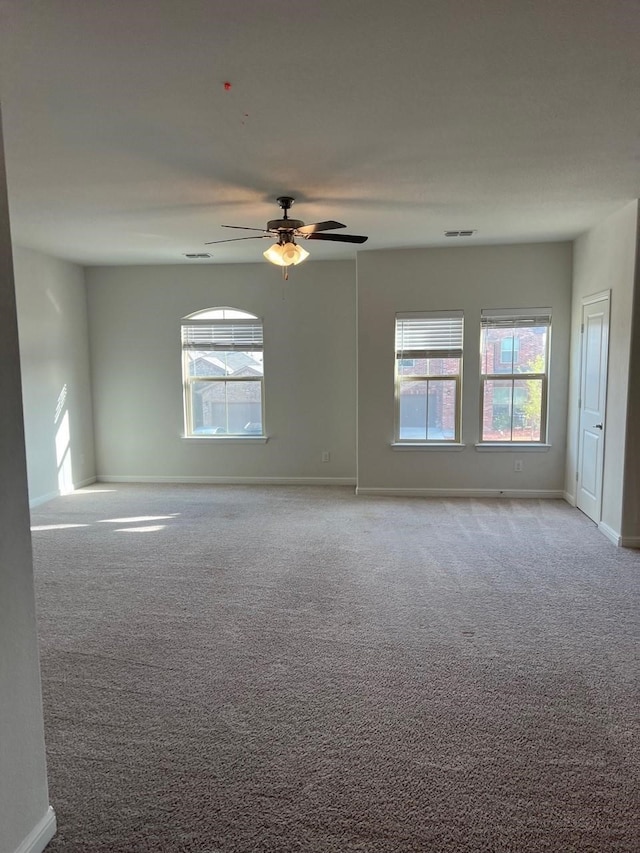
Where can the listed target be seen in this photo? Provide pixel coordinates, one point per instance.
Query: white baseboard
(610, 533)
(40, 835)
(462, 493)
(231, 481)
(43, 499)
(88, 482)
(617, 538)
(569, 498)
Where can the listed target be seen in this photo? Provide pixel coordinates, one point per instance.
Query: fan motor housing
(284, 224)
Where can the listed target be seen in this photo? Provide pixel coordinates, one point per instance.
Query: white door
(593, 395)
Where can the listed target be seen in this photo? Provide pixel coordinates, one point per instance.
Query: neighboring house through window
(509, 350)
(514, 375)
(428, 368)
(223, 375)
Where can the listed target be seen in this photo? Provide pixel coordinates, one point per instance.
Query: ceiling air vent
(195, 255)
(467, 233)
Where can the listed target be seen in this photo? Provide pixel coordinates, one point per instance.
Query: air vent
(198, 255)
(467, 233)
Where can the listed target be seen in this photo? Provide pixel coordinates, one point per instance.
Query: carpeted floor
(258, 670)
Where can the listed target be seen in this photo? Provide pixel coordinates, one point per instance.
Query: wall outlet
(325, 455)
(517, 465)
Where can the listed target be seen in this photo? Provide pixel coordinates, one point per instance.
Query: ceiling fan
(286, 252)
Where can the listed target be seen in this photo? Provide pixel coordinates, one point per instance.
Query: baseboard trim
(551, 494)
(610, 533)
(43, 499)
(40, 835)
(88, 482)
(569, 498)
(231, 481)
(630, 541)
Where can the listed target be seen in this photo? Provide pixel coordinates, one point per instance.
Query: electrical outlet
(517, 465)
(325, 455)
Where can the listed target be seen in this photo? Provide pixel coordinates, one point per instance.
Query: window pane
(244, 407)
(413, 411)
(206, 363)
(444, 366)
(428, 410)
(208, 408)
(496, 410)
(509, 351)
(533, 350)
(244, 363)
(527, 409)
(226, 407)
(428, 366)
(514, 350)
(512, 410)
(441, 410)
(222, 314)
(231, 363)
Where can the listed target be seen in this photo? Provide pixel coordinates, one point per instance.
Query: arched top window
(222, 313)
(222, 362)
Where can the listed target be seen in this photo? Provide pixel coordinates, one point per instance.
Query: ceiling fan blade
(329, 225)
(338, 238)
(235, 239)
(242, 227)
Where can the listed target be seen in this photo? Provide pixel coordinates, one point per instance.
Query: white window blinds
(517, 319)
(223, 335)
(435, 334)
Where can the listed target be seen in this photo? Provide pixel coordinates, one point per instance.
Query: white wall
(310, 398)
(605, 259)
(519, 276)
(23, 782)
(54, 356)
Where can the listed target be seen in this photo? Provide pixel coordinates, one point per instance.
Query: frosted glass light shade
(286, 255)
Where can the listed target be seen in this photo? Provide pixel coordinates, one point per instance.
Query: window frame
(252, 342)
(447, 349)
(516, 319)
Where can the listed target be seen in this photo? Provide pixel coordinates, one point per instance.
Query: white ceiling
(403, 119)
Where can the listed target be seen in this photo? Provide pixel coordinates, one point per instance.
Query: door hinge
(579, 403)
(576, 476)
(582, 329)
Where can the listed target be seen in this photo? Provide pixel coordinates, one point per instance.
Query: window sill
(441, 445)
(228, 439)
(513, 445)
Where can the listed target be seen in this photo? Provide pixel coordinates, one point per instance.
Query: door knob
(597, 426)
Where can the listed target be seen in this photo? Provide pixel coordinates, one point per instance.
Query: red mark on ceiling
(227, 86)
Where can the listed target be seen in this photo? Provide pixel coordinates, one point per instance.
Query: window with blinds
(223, 373)
(428, 370)
(514, 350)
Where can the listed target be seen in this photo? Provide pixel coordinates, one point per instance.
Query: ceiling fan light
(286, 254)
(294, 254)
(274, 254)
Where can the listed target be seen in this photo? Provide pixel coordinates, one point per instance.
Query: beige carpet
(236, 669)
